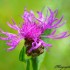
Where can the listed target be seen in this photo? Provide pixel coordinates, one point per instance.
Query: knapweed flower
(32, 31)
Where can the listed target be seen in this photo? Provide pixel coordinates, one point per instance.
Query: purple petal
(2, 38)
(45, 44)
(51, 17)
(55, 12)
(53, 32)
(14, 26)
(57, 22)
(61, 35)
(14, 42)
(12, 38)
(41, 17)
(28, 16)
(10, 35)
(60, 25)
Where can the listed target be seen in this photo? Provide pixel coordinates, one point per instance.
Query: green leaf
(22, 54)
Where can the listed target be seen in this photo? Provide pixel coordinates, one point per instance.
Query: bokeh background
(58, 54)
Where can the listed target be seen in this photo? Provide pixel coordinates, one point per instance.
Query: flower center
(34, 52)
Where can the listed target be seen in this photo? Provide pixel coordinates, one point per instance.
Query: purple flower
(32, 31)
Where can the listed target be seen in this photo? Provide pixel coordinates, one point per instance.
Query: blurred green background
(58, 54)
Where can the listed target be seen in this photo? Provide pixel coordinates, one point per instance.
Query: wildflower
(32, 31)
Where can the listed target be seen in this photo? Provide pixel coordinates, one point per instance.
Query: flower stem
(34, 63)
(28, 65)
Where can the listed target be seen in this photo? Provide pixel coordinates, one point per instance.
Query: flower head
(32, 31)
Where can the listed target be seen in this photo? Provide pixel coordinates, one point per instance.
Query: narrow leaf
(22, 54)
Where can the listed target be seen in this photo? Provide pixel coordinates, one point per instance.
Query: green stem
(28, 65)
(34, 63)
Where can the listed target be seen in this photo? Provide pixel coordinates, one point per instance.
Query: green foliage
(28, 65)
(22, 54)
(34, 63)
